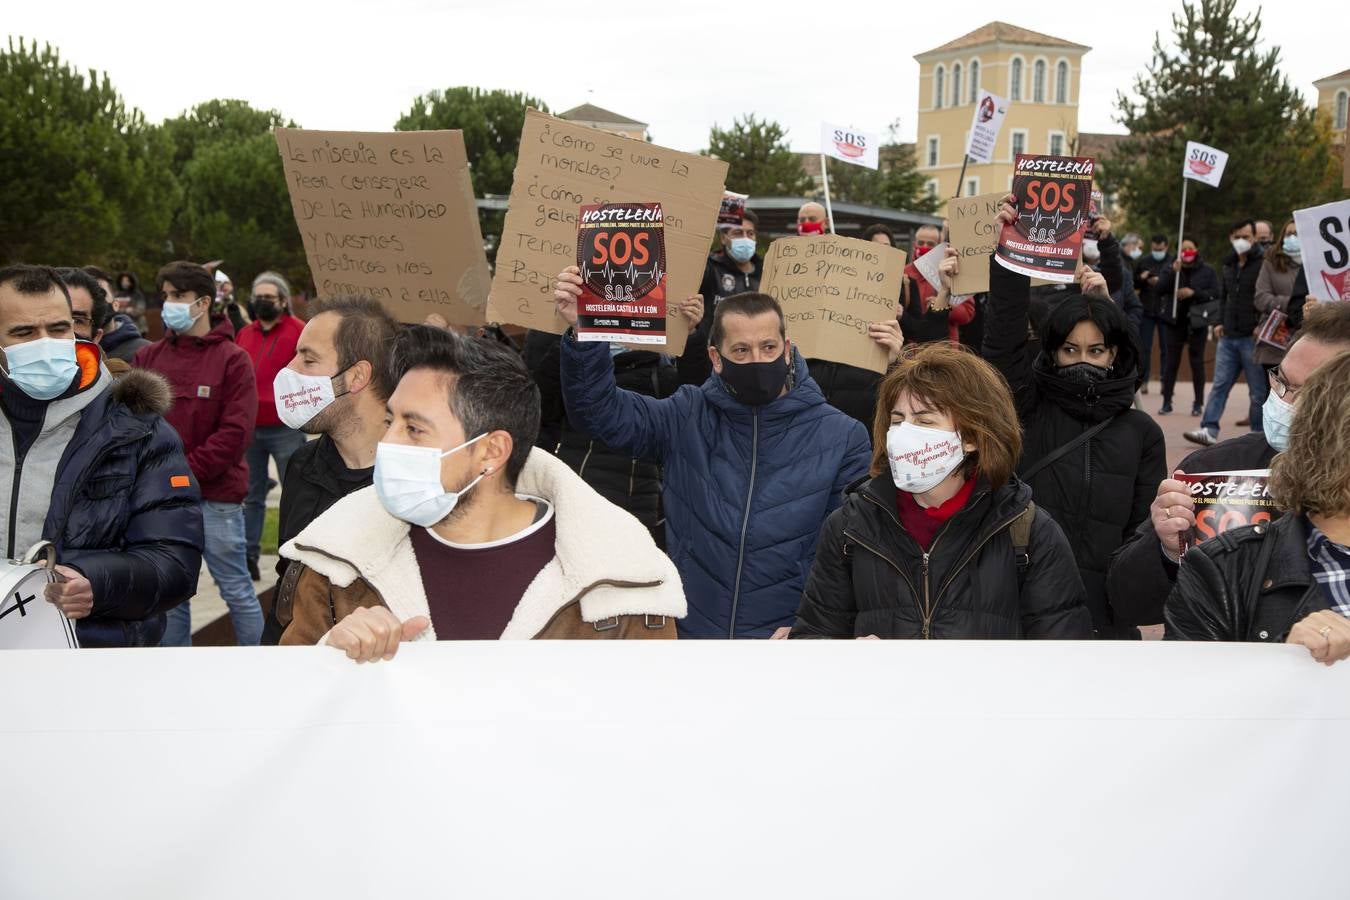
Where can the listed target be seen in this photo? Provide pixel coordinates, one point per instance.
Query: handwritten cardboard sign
(562, 166)
(392, 216)
(831, 288)
(973, 223)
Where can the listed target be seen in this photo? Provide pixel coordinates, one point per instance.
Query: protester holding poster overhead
(929, 314)
(944, 540)
(1092, 460)
(754, 459)
(93, 467)
(1287, 581)
(1144, 569)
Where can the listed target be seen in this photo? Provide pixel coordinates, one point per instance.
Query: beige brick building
(1039, 75)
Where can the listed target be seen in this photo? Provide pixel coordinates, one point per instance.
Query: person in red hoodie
(215, 401)
(270, 341)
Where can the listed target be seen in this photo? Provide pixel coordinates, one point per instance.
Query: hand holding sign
(1173, 515)
(566, 292)
(72, 593)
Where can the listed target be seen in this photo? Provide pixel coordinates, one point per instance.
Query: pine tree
(1218, 87)
(761, 163)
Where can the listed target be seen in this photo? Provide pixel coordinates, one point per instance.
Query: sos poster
(1053, 198)
(621, 251)
(1228, 500)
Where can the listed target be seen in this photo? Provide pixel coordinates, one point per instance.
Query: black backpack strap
(1019, 530)
(1063, 449)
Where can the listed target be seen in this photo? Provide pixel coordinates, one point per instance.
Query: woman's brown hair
(957, 382)
(1282, 261)
(1312, 475)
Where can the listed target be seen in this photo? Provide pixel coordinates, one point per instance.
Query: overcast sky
(681, 66)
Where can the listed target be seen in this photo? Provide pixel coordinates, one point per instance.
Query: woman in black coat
(1199, 286)
(1093, 462)
(942, 541)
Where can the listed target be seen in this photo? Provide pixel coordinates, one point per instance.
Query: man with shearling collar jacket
(468, 533)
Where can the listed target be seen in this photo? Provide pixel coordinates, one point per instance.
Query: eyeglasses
(1283, 389)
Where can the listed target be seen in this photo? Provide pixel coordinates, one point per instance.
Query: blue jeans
(278, 442)
(1235, 354)
(1147, 327)
(225, 560)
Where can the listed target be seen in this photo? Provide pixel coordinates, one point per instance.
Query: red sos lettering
(618, 248)
(1050, 196)
(1209, 522)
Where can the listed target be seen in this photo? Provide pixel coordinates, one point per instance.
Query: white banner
(1324, 236)
(784, 769)
(850, 145)
(1204, 163)
(985, 124)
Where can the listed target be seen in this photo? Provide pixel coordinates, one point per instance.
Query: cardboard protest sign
(563, 166)
(621, 253)
(732, 212)
(850, 145)
(1227, 500)
(1204, 163)
(984, 127)
(27, 620)
(390, 215)
(927, 265)
(1053, 193)
(973, 230)
(831, 288)
(1324, 234)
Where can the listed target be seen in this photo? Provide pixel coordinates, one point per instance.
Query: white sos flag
(1204, 163)
(984, 127)
(850, 145)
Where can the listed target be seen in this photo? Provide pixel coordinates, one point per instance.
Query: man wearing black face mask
(754, 460)
(270, 342)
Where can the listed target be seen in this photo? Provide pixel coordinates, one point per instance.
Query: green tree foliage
(491, 122)
(761, 164)
(895, 184)
(235, 204)
(1216, 86)
(83, 178)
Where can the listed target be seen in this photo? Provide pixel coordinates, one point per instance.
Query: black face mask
(755, 384)
(1084, 373)
(266, 310)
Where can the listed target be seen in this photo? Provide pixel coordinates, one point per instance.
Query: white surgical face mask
(921, 457)
(1241, 246)
(301, 397)
(1277, 416)
(408, 482)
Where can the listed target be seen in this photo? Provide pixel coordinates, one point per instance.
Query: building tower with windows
(1037, 73)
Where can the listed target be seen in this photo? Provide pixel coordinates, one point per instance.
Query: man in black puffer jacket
(90, 465)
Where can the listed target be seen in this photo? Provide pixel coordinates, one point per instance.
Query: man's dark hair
(33, 280)
(1160, 239)
(748, 215)
(99, 311)
(1241, 224)
(365, 331)
(98, 273)
(874, 230)
(186, 276)
(747, 304)
(490, 388)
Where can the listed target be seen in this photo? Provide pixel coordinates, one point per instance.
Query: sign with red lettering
(1228, 500)
(732, 212)
(621, 251)
(1053, 198)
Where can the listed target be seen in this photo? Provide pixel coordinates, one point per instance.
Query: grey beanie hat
(276, 281)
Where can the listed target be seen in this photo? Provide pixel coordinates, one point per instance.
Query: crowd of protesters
(1000, 480)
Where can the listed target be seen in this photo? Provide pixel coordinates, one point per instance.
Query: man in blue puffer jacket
(89, 464)
(755, 459)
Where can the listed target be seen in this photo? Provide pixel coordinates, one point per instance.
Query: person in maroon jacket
(270, 341)
(215, 401)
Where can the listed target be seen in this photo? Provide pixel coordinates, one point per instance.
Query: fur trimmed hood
(143, 392)
(604, 557)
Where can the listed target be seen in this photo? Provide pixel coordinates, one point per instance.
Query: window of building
(974, 81)
(931, 187)
(1038, 82)
(1061, 82)
(972, 186)
(1015, 80)
(956, 85)
(932, 151)
(1342, 101)
(939, 86)
(1056, 143)
(1019, 142)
